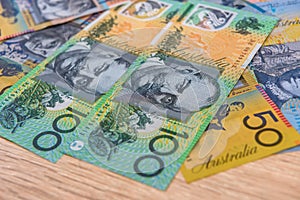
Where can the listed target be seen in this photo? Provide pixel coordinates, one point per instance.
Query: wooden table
(24, 175)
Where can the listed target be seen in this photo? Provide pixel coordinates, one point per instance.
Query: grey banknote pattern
(47, 10)
(87, 69)
(171, 88)
(35, 47)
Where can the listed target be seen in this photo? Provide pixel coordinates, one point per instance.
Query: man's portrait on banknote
(277, 68)
(47, 10)
(171, 87)
(38, 45)
(87, 70)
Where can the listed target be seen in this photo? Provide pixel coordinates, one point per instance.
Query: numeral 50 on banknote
(261, 130)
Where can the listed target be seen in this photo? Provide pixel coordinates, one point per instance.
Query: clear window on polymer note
(87, 70)
(171, 87)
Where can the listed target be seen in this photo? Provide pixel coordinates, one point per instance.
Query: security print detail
(247, 127)
(151, 104)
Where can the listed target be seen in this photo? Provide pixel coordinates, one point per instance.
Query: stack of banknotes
(145, 88)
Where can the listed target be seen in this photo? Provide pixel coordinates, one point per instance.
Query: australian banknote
(276, 68)
(21, 16)
(144, 126)
(249, 126)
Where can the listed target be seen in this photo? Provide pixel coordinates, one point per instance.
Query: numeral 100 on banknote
(56, 127)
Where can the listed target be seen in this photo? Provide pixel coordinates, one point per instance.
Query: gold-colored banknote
(247, 127)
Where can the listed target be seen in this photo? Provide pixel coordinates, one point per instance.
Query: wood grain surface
(24, 175)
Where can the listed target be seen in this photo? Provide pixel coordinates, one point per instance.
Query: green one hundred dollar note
(147, 123)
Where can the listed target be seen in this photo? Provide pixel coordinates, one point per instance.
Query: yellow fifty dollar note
(247, 127)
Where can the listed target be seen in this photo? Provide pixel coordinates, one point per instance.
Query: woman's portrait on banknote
(87, 71)
(173, 87)
(277, 68)
(56, 9)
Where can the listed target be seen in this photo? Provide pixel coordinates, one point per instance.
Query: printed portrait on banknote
(171, 87)
(46, 10)
(87, 70)
(37, 46)
(277, 68)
